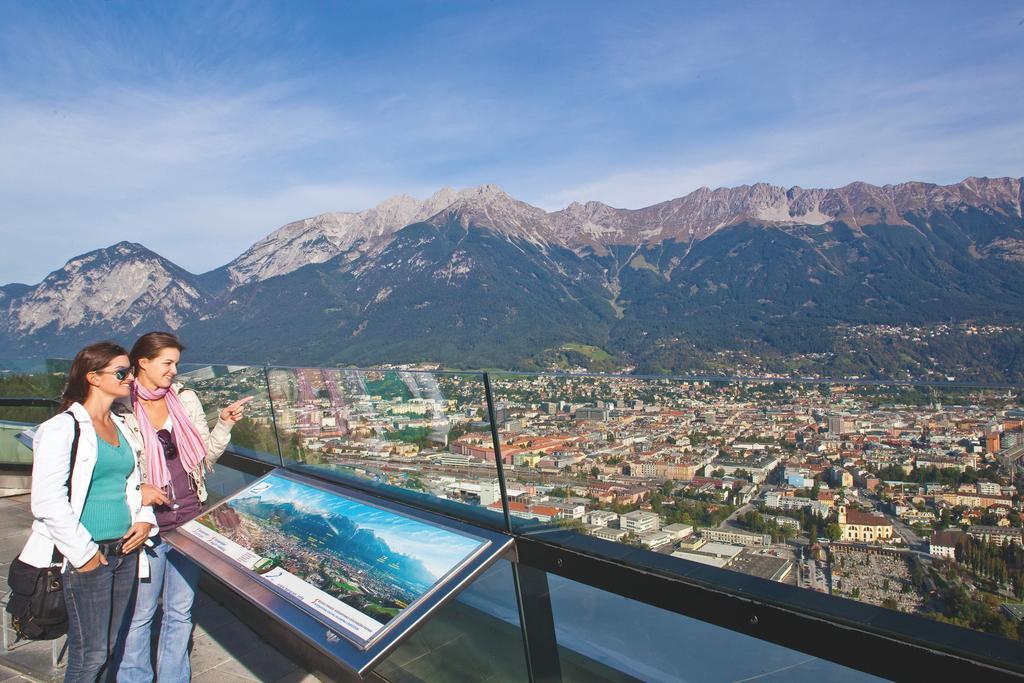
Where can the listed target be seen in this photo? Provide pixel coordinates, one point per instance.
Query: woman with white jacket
(179, 447)
(98, 529)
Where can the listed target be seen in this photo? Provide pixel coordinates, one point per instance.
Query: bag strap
(74, 452)
(57, 556)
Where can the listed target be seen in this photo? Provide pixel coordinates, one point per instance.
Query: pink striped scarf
(191, 448)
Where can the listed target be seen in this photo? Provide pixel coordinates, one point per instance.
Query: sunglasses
(167, 441)
(120, 373)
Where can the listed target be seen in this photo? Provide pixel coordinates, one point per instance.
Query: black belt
(112, 548)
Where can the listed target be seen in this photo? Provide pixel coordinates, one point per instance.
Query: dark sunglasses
(120, 373)
(167, 441)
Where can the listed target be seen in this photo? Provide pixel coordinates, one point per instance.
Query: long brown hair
(150, 345)
(93, 357)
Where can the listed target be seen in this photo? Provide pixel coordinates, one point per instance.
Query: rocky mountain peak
(704, 211)
(488, 206)
(124, 285)
(321, 238)
(687, 219)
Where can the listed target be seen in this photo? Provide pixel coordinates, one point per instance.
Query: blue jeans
(173, 577)
(98, 604)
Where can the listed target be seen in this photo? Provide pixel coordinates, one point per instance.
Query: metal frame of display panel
(315, 630)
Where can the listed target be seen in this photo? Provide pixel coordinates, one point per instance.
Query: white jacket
(216, 440)
(58, 520)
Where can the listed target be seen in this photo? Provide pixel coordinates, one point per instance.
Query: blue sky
(197, 128)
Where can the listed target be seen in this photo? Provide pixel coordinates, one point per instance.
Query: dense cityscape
(898, 496)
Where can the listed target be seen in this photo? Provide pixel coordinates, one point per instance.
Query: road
(730, 521)
(900, 528)
(813, 575)
(332, 380)
(913, 541)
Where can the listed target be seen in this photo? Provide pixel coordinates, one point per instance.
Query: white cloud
(121, 141)
(886, 134)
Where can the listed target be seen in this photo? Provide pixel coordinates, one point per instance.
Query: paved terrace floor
(224, 650)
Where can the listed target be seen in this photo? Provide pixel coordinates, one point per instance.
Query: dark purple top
(181, 492)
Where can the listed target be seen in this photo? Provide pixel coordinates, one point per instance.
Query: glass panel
(38, 377)
(595, 637)
(12, 451)
(35, 378)
(420, 433)
(26, 379)
(221, 385)
(475, 637)
(836, 488)
(223, 481)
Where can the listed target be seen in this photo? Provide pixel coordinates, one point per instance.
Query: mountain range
(477, 278)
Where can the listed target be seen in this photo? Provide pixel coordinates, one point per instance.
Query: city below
(898, 496)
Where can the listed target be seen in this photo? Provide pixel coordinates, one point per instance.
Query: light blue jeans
(173, 577)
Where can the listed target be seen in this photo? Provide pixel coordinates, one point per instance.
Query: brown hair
(150, 345)
(93, 357)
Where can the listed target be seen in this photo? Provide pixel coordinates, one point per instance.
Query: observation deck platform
(224, 650)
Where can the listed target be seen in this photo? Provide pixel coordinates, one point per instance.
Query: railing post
(273, 414)
(496, 442)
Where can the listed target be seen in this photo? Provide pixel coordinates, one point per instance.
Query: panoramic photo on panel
(364, 564)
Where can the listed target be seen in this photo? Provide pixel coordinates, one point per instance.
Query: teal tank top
(106, 513)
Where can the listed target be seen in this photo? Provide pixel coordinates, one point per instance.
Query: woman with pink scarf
(179, 446)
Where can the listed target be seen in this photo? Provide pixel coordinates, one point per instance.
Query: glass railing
(255, 435)
(38, 379)
(845, 490)
(892, 509)
(665, 646)
(42, 381)
(422, 434)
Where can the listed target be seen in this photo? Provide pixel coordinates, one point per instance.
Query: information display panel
(351, 573)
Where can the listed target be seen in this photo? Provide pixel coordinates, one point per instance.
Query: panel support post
(538, 624)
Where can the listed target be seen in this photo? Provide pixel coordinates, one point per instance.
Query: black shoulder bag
(36, 604)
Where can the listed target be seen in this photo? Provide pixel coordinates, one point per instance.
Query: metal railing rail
(28, 402)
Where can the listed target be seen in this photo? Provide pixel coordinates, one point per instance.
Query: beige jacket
(216, 440)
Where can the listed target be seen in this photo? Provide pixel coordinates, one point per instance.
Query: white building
(678, 531)
(943, 544)
(655, 539)
(773, 499)
(570, 510)
(735, 537)
(640, 521)
(601, 518)
(609, 534)
(989, 488)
